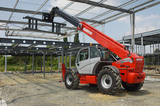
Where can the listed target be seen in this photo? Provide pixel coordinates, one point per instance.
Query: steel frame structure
(122, 12)
(16, 49)
(142, 40)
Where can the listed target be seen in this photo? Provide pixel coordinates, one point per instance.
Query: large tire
(71, 80)
(132, 87)
(109, 82)
(157, 70)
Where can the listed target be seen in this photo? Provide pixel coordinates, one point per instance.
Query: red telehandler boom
(94, 68)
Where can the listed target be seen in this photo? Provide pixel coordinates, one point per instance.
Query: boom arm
(100, 37)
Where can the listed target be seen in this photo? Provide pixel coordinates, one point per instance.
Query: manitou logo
(86, 30)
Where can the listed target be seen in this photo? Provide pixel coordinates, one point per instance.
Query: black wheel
(132, 87)
(109, 82)
(71, 80)
(157, 70)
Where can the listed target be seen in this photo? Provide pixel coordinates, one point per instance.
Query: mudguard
(73, 69)
(115, 69)
(99, 65)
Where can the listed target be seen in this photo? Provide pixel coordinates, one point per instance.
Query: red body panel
(135, 77)
(88, 79)
(63, 71)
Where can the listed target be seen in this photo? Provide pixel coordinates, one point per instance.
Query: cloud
(113, 2)
(147, 18)
(147, 23)
(59, 3)
(143, 23)
(141, 29)
(124, 19)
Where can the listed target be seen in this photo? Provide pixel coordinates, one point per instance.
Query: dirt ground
(27, 90)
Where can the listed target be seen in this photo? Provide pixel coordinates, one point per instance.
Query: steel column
(44, 65)
(70, 60)
(136, 50)
(132, 19)
(123, 41)
(142, 49)
(66, 59)
(150, 48)
(103, 28)
(32, 64)
(58, 63)
(153, 53)
(5, 63)
(41, 63)
(62, 53)
(35, 63)
(158, 54)
(25, 64)
(51, 63)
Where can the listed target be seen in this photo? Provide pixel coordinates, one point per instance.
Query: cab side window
(83, 55)
(94, 52)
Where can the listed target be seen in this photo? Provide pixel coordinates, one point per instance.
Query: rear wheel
(71, 80)
(108, 81)
(157, 70)
(132, 87)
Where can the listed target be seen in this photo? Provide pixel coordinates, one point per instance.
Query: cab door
(94, 58)
(82, 61)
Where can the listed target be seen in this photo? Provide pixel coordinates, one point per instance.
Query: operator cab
(88, 57)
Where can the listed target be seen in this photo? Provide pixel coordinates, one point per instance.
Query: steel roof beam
(43, 42)
(123, 15)
(103, 5)
(67, 5)
(40, 13)
(20, 11)
(22, 48)
(109, 11)
(18, 53)
(41, 24)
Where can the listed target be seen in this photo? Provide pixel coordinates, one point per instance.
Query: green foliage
(48, 46)
(2, 60)
(65, 39)
(157, 51)
(17, 63)
(76, 38)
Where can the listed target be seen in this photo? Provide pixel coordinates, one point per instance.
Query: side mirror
(77, 64)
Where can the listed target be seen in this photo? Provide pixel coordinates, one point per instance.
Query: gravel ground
(27, 90)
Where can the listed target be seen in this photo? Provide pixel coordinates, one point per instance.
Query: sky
(145, 20)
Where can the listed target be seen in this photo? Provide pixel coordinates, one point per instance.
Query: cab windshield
(107, 55)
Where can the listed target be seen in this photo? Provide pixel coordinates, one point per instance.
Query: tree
(157, 51)
(65, 39)
(76, 38)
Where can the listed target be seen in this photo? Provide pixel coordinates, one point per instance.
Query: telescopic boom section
(100, 37)
(74, 21)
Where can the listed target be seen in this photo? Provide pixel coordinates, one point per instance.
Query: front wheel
(132, 87)
(71, 80)
(108, 81)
